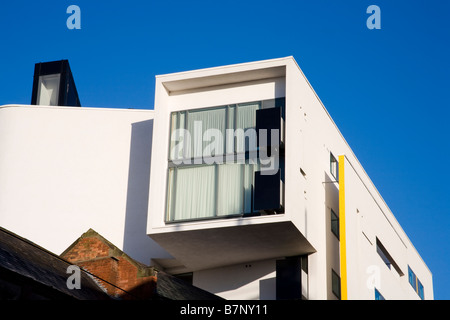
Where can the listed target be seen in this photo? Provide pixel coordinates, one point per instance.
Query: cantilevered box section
(216, 208)
(225, 194)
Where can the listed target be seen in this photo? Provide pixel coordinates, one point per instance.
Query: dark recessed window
(334, 223)
(288, 279)
(387, 258)
(336, 284)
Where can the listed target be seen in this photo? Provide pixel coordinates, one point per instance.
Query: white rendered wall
(368, 220)
(248, 281)
(64, 170)
(311, 194)
(310, 126)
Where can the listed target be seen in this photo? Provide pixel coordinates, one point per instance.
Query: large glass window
(212, 161)
(208, 191)
(213, 132)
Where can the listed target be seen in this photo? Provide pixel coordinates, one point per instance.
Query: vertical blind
(198, 125)
(194, 194)
(208, 191)
(201, 126)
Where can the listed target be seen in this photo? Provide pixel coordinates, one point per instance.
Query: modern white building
(194, 189)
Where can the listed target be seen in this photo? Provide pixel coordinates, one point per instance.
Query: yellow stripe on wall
(342, 242)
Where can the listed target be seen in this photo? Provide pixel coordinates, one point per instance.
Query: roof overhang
(210, 248)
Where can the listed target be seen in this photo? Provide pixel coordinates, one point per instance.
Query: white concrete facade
(67, 169)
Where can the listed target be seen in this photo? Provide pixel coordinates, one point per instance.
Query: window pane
(246, 119)
(333, 166)
(230, 126)
(381, 252)
(173, 127)
(334, 223)
(205, 128)
(378, 295)
(335, 284)
(194, 193)
(177, 143)
(246, 115)
(420, 290)
(248, 186)
(48, 90)
(171, 194)
(231, 191)
(412, 278)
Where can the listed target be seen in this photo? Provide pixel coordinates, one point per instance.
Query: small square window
(334, 223)
(333, 166)
(336, 284)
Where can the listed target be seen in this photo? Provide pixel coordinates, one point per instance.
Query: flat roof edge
(230, 66)
(73, 108)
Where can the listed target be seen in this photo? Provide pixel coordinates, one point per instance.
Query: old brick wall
(120, 276)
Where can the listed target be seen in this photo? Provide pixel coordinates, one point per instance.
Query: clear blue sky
(387, 90)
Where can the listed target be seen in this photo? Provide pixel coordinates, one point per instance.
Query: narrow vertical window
(334, 223)
(415, 283)
(412, 279)
(335, 284)
(420, 289)
(333, 166)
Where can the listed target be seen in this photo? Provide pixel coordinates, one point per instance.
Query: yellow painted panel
(342, 242)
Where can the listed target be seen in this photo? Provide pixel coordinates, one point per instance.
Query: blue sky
(387, 90)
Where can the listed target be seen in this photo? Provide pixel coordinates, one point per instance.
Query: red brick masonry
(121, 276)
